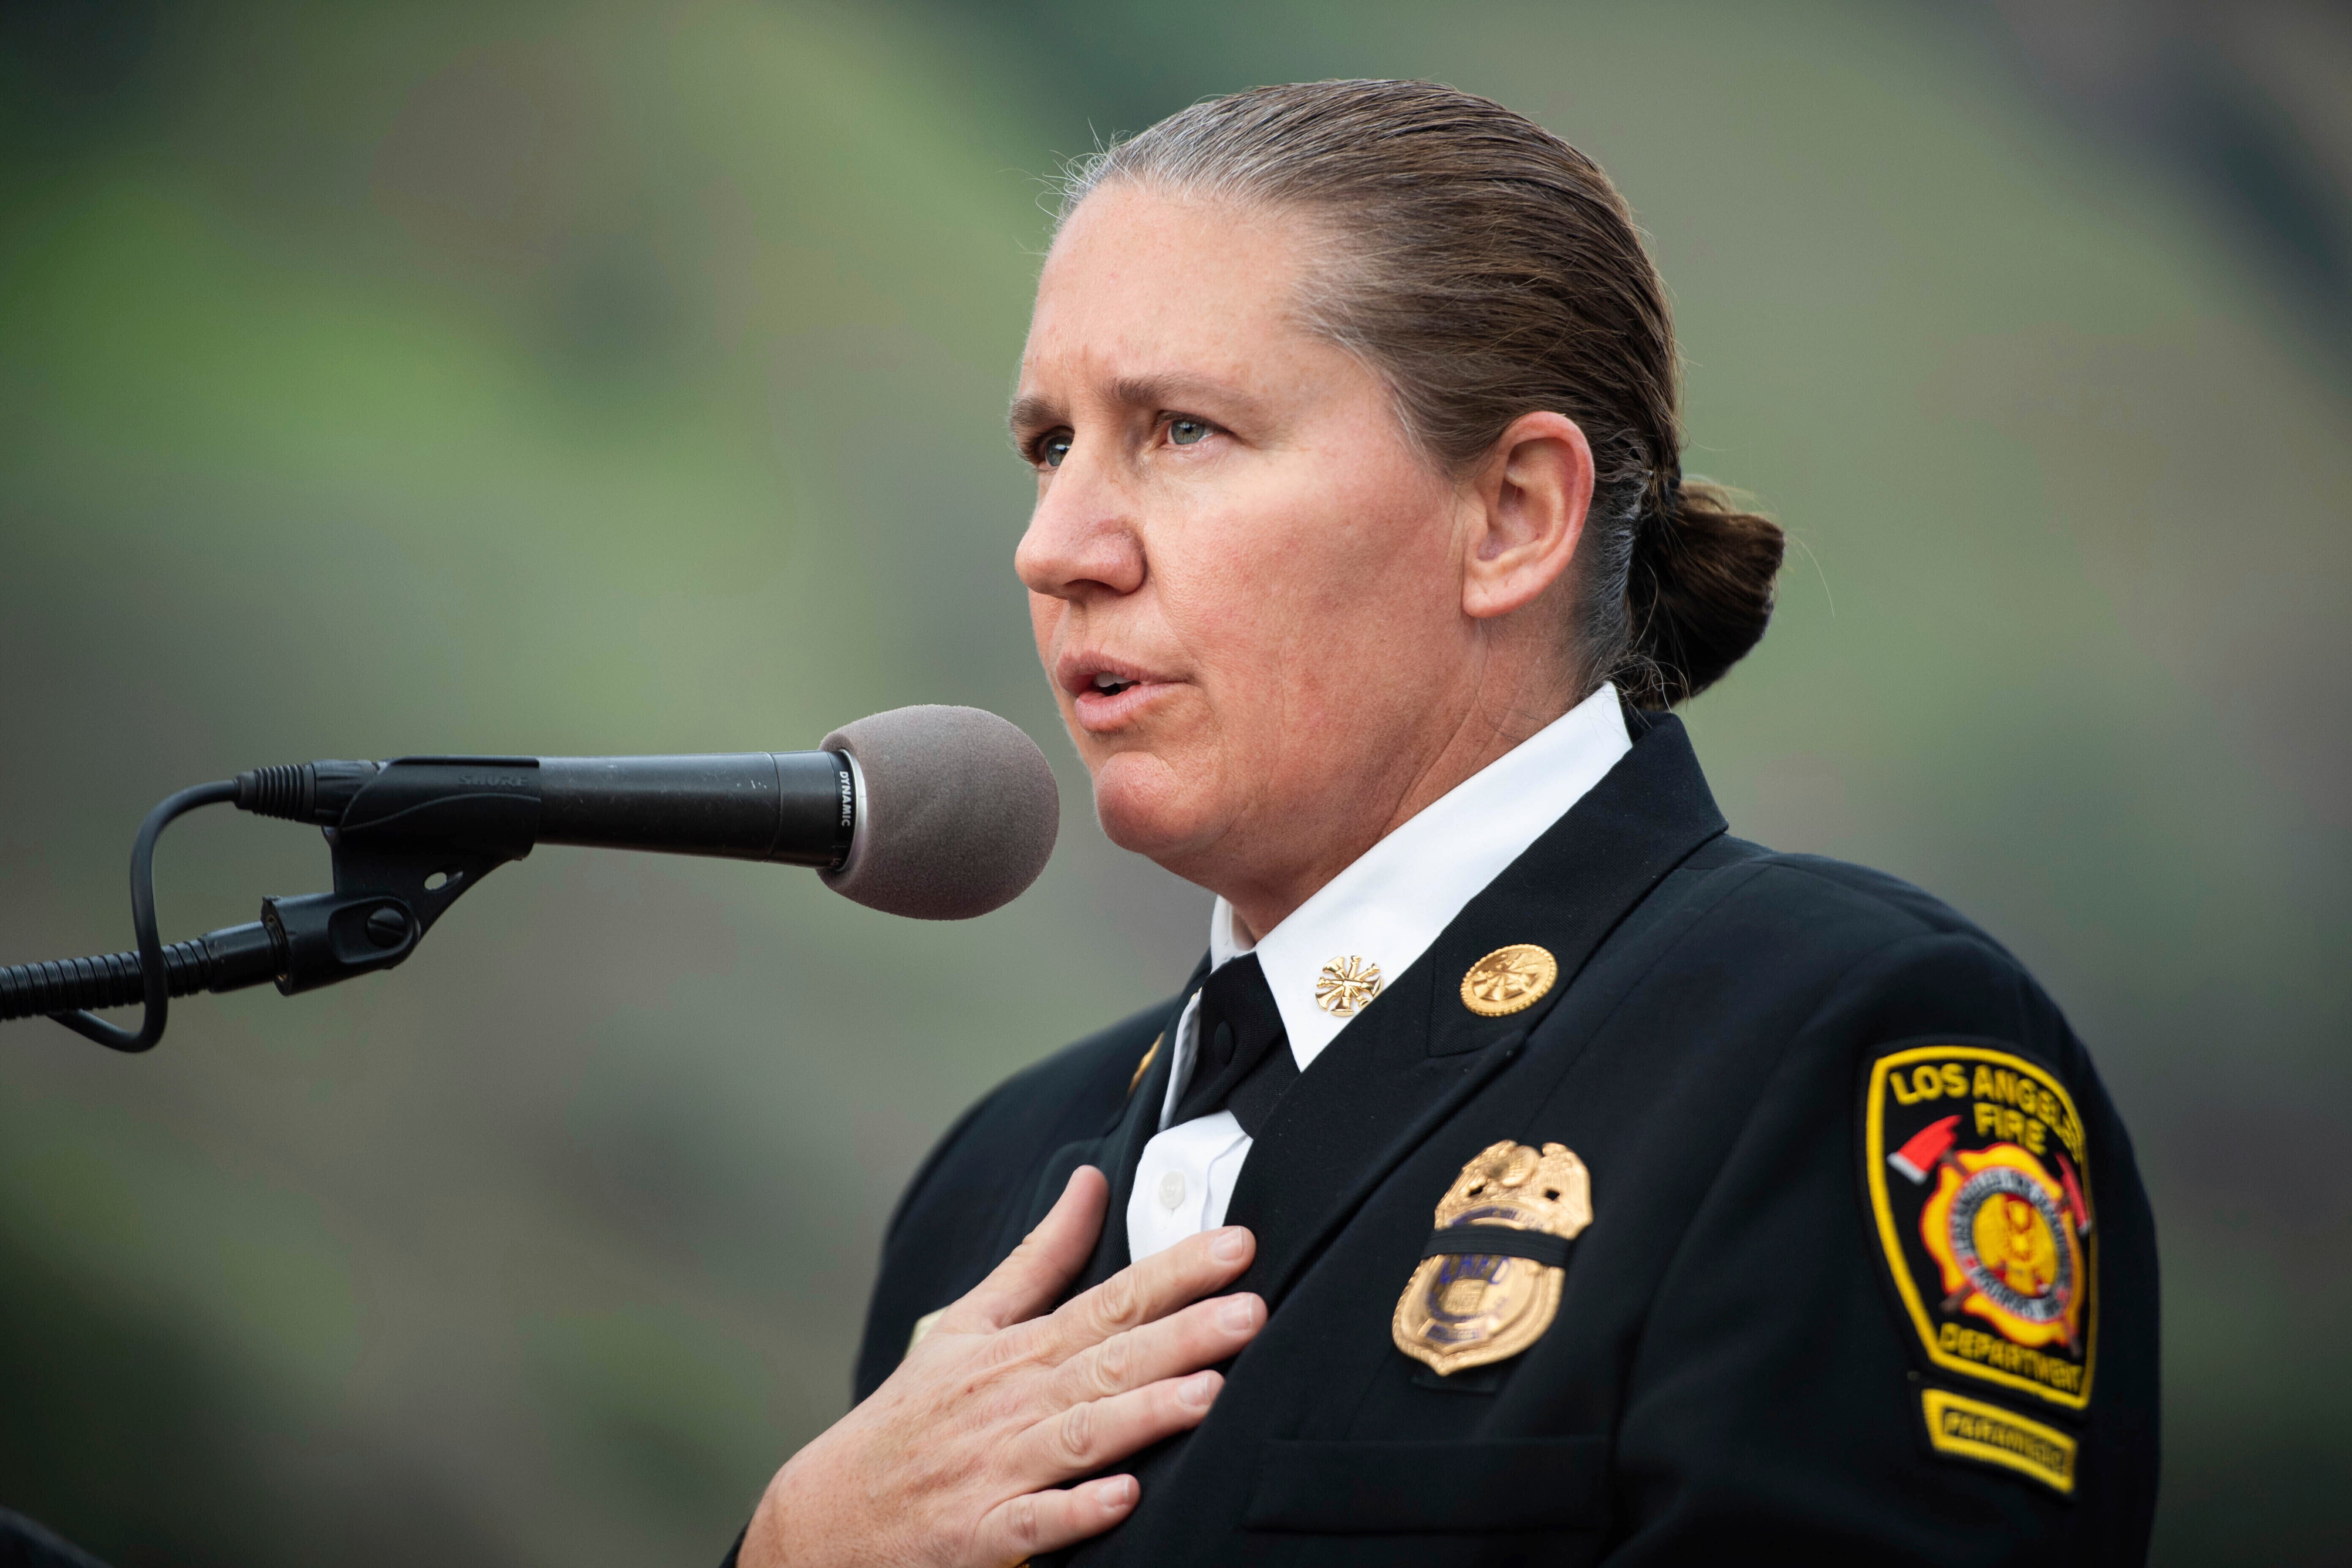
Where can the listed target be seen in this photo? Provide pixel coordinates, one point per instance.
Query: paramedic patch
(1980, 1194)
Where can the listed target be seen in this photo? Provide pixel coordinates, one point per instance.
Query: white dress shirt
(1384, 909)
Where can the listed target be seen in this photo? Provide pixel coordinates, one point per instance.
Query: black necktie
(1243, 1063)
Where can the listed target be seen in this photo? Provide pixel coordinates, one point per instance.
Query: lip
(1100, 713)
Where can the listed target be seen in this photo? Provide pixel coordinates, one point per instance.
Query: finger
(1044, 1521)
(1102, 1432)
(1043, 1266)
(1143, 1293)
(1201, 1335)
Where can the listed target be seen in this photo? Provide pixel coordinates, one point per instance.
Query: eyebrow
(1031, 413)
(1034, 411)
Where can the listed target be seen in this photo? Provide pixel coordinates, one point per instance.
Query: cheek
(1045, 613)
(1328, 573)
(1393, 525)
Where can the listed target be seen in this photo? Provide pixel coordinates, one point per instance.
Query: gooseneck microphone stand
(407, 839)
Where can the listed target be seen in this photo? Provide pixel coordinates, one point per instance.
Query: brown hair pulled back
(1486, 269)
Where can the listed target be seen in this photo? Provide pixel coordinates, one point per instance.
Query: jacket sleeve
(24, 1544)
(1780, 1402)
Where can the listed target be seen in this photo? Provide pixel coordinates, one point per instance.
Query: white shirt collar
(1391, 904)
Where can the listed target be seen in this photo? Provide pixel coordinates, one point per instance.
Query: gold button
(1145, 1065)
(1347, 985)
(1509, 979)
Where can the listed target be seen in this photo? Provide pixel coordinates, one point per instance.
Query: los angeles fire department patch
(1980, 1190)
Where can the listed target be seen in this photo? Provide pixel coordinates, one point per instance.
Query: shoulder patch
(1968, 1428)
(1980, 1188)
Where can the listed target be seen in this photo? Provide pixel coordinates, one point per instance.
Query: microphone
(934, 813)
(931, 812)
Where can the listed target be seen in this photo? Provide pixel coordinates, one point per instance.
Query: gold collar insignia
(1347, 985)
(1509, 980)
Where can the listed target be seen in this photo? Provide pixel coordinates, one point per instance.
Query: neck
(1262, 896)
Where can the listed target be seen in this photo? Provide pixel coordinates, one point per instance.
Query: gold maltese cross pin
(1490, 1279)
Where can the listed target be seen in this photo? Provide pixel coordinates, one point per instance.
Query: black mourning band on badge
(1499, 1241)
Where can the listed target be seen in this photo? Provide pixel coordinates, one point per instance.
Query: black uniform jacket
(1734, 1372)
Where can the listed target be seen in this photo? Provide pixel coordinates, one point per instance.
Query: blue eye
(1054, 449)
(1187, 431)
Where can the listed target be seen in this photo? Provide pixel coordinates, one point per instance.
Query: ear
(1527, 508)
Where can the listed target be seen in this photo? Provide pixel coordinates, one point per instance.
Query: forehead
(1141, 283)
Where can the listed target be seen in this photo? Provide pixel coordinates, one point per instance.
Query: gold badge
(1466, 1308)
(1347, 985)
(1981, 1196)
(1509, 979)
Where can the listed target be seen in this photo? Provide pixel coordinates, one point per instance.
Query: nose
(1083, 540)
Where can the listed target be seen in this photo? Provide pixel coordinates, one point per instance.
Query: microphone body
(796, 808)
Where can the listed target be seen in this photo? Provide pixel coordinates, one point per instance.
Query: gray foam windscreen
(960, 814)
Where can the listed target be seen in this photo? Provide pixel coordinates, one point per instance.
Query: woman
(1530, 1172)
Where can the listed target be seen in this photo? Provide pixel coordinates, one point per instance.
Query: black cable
(156, 972)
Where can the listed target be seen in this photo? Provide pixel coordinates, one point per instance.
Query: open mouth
(1108, 694)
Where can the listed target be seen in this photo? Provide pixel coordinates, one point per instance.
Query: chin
(1151, 808)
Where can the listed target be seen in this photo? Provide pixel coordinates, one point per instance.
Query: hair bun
(1699, 593)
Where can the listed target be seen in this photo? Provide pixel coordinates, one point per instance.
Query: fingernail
(1231, 1246)
(1117, 1492)
(1198, 1390)
(1237, 1313)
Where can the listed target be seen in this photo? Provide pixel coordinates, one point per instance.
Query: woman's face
(1246, 584)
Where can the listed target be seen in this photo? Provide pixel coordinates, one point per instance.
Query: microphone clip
(412, 838)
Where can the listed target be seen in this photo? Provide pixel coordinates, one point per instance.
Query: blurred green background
(584, 378)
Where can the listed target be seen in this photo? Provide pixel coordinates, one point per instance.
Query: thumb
(1040, 1269)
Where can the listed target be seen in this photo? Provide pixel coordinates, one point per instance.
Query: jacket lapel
(1120, 1151)
(1409, 1060)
